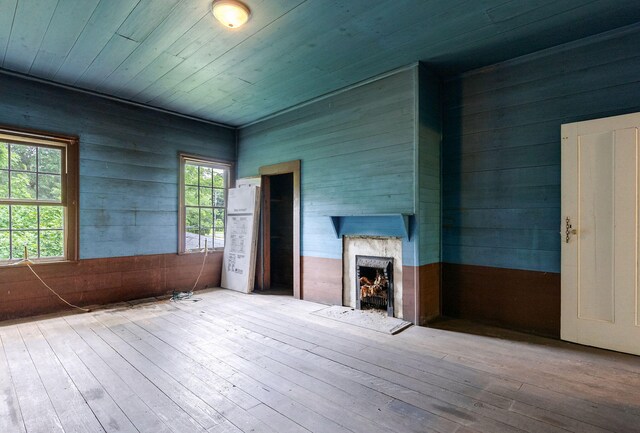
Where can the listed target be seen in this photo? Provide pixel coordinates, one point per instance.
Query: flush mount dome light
(231, 13)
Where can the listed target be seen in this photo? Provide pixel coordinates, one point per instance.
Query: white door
(600, 298)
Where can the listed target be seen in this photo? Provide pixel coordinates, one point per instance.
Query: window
(203, 194)
(37, 196)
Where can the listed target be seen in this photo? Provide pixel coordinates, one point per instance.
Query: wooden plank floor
(251, 363)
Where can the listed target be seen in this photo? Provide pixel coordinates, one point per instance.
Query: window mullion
(37, 183)
(9, 168)
(10, 235)
(38, 229)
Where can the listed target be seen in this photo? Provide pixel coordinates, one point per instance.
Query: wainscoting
(528, 301)
(102, 281)
(322, 280)
(428, 280)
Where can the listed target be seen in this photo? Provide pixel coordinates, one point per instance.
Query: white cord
(54, 292)
(206, 251)
(204, 259)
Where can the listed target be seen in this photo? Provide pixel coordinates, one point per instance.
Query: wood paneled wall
(128, 198)
(429, 138)
(356, 149)
(501, 153)
(364, 151)
(501, 173)
(128, 162)
(428, 148)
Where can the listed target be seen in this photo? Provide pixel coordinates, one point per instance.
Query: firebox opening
(374, 288)
(374, 283)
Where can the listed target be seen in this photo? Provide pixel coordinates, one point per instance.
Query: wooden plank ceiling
(173, 55)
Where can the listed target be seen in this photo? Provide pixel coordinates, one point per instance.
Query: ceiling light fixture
(231, 13)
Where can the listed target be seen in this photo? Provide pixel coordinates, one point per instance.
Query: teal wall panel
(357, 153)
(128, 162)
(501, 150)
(429, 137)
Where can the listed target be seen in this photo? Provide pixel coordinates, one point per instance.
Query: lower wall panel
(427, 279)
(430, 292)
(102, 281)
(321, 280)
(522, 300)
(409, 277)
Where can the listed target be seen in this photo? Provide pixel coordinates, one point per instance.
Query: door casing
(265, 172)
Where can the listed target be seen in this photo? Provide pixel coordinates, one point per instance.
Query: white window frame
(69, 188)
(218, 164)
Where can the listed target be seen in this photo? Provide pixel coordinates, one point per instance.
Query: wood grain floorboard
(36, 406)
(74, 414)
(11, 419)
(460, 397)
(115, 404)
(178, 334)
(310, 347)
(234, 363)
(479, 373)
(531, 357)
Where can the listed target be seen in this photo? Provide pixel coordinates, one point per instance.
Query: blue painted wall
(128, 162)
(501, 151)
(429, 139)
(357, 152)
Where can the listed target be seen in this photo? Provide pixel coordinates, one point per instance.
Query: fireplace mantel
(391, 225)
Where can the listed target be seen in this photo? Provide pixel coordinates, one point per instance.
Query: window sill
(187, 253)
(18, 264)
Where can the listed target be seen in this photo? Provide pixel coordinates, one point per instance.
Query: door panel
(600, 298)
(626, 221)
(595, 219)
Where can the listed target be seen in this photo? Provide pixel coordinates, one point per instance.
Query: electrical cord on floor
(86, 310)
(182, 296)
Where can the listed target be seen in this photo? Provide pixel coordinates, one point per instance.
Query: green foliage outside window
(204, 200)
(31, 173)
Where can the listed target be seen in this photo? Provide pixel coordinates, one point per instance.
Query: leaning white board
(239, 258)
(248, 181)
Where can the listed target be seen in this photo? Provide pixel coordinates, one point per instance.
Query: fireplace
(374, 283)
(386, 253)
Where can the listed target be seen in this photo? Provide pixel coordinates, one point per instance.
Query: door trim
(294, 168)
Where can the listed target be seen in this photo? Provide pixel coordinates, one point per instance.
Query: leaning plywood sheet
(239, 259)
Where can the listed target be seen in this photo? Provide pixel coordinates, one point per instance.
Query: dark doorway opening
(278, 259)
(281, 232)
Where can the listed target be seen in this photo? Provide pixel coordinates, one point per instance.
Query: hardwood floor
(243, 363)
